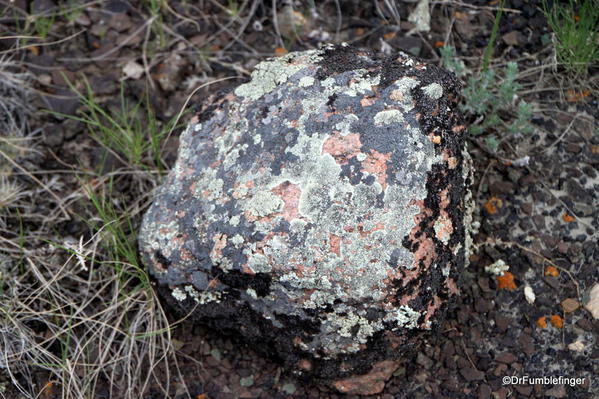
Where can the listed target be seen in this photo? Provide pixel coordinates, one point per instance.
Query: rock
(317, 213)
(592, 303)
(570, 305)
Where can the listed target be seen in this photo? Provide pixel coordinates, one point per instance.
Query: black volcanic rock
(317, 212)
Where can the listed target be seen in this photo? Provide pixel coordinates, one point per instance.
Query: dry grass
(80, 316)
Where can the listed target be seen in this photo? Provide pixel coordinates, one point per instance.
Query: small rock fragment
(592, 304)
(529, 294)
(576, 346)
(133, 70)
(570, 305)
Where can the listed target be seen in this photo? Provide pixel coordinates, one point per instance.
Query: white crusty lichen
(470, 225)
(203, 297)
(306, 81)
(497, 268)
(345, 125)
(361, 83)
(273, 72)
(179, 295)
(434, 91)
(388, 117)
(404, 316)
(263, 203)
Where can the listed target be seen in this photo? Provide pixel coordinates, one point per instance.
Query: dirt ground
(537, 194)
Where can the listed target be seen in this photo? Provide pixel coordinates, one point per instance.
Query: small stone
(592, 304)
(133, 70)
(577, 346)
(247, 381)
(513, 38)
(506, 357)
(62, 102)
(424, 360)
(471, 374)
(558, 392)
(570, 305)
(82, 19)
(503, 322)
(215, 353)
(288, 388)
(529, 294)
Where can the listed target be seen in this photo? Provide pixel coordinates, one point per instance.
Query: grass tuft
(575, 26)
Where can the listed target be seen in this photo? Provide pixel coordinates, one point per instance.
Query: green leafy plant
(490, 96)
(575, 25)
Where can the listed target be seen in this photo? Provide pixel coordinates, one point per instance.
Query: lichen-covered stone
(317, 212)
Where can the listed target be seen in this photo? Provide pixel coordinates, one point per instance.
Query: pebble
(570, 305)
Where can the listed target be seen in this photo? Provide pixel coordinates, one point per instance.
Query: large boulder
(317, 212)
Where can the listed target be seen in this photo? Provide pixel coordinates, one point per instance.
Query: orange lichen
(567, 218)
(492, 204)
(542, 322)
(439, 43)
(389, 36)
(506, 282)
(551, 271)
(280, 51)
(436, 139)
(557, 321)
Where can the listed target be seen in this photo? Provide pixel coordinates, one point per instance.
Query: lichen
(433, 90)
(497, 268)
(263, 203)
(270, 73)
(404, 316)
(388, 116)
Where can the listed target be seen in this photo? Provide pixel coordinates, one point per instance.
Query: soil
(540, 214)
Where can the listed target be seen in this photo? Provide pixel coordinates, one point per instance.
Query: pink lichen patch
(376, 164)
(241, 190)
(220, 241)
(425, 251)
(396, 95)
(335, 244)
(290, 194)
(452, 162)
(405, 300)
(367, 101)
(342, 148)
(443, 229)
(430, 311)
(444, 200)
(364, 233)
(452, 287)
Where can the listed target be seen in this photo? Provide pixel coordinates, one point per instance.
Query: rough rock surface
(317, 212)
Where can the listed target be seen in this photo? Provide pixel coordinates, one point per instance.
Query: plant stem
(489, 49)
